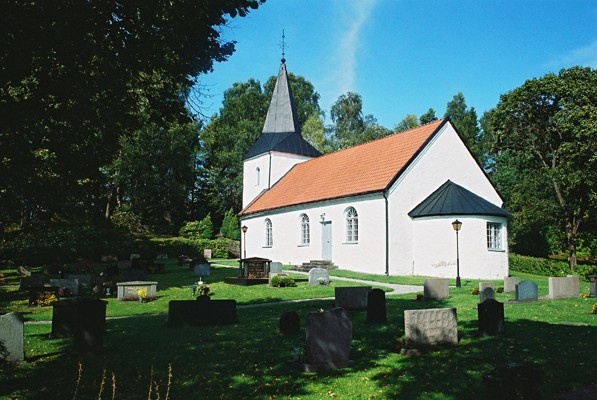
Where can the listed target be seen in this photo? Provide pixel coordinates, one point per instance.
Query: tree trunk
(571, 232)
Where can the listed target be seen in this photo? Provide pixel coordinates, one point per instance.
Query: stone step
(307, 266)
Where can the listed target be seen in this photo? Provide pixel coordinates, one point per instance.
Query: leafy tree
(466, 123)
(408, 122)
(230, 226)
(206, 227)
(544, 133)
(77, 75)
(428, 117)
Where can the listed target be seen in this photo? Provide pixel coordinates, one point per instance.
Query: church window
(269, 238)
(258, 176)
(494, 236)
(305, 232)
(352, 225)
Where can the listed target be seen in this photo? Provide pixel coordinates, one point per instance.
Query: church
(413, 203)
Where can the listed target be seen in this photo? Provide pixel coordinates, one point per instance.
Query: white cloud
(352, 17)
(585, 56)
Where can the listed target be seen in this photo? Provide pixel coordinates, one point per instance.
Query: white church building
(383, 207)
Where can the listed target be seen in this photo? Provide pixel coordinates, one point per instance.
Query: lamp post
(457, 225)
(245, 229)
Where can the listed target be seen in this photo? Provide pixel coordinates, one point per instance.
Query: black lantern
(457, 225)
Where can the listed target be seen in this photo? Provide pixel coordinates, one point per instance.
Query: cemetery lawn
(142, 358)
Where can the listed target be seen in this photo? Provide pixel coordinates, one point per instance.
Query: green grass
(248, 360)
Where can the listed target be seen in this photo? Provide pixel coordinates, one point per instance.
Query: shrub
(594, 309)
(125, 219)
(547, 267)
(198, 229)
(283, 281)
(230, 226)
(475, 290)
(499, 289)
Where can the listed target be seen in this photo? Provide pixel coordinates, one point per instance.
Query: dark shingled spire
(452, 199)
(281, 131)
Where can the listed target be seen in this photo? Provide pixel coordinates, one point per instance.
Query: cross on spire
(283, 46)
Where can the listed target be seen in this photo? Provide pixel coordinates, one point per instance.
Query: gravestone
(430, 327)
(510, 283)
(32, 282)
(352, 297)
(202, 311)
(593, 285)
(130, 290)
(435, 289)
(290, 323)
(11, 337)
(24, 271)
(71, 284)
(329, 337)
(486, 293)
(202, 269)
(133, 256)
(490, 314)
(526, 291)
(319, 276)
(483, 285)
(207, 254)
(376, 306)
(275, 267)
(161, 256)
(84, 319)
(564, 288)
(85, 280)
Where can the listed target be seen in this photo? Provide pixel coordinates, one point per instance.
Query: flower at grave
(204, 290)
(322, 281)
(594, 309)
(142, 293)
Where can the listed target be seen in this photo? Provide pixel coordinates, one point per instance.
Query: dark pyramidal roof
(452, 199)
(281, 131)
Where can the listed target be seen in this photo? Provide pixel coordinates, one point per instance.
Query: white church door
(326, 238)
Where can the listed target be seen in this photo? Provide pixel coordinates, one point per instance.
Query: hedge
(548, 267)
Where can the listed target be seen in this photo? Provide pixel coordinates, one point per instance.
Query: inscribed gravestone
(564, 288)
(207, 253)
(430, 327)
(510, 283)
(352, 297)
(526, 291)
(435, 289)
(275, 267)
(486, 293)
(319, 276)
(71, 284)
(11, 337)
(376, 306)
(329, 337)
(491, 317)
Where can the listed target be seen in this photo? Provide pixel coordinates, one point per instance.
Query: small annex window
(305, 231)
(257, 176)
(494, 236)
(269, 238)
(352, 225)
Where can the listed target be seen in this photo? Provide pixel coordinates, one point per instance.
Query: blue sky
(405, 56)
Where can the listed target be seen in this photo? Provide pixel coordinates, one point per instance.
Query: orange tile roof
(367, 168)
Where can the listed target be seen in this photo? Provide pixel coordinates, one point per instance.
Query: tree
(466, 123)
(230, 226)
(77, 75)
(428, 117)
(546, 132)
(408, 122)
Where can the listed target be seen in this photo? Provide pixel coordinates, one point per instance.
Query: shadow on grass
(248, 360)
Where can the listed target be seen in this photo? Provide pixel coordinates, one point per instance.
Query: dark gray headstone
(11, 337)
(203, 269)
(526, 291)
(352, 297)
(510, 283)
(32, 282)
(85, 280)
(82, 318)
(491, 317)
(290, 323)
(319, 276)
(436, 289)
(71, 284)
(486, 293)
(376, 306)
(430, 327)
(329, 337)
(564, 288)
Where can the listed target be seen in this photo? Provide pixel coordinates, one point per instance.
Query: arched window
(269, 238)
(352, 225)
(305, 235)
(258, 176)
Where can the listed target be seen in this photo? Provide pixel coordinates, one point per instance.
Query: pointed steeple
(281, 131)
